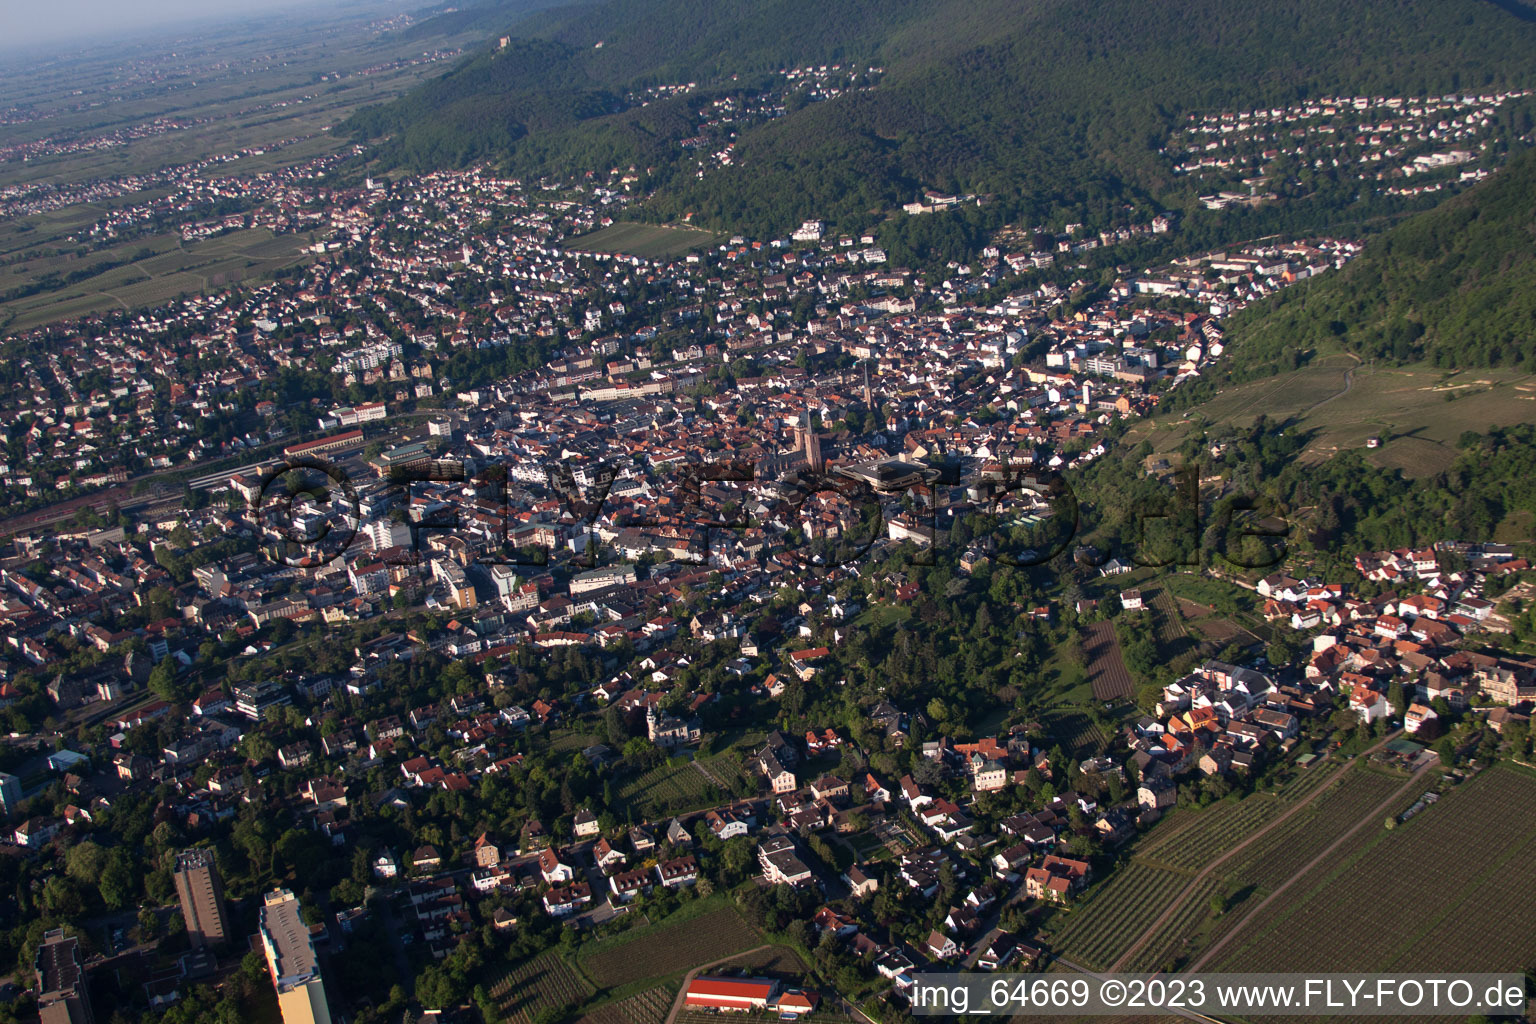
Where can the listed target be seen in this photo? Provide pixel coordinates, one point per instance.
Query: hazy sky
(27, 23)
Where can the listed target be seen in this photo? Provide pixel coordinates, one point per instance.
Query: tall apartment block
(292, 961)
(202, 898)
(63, 997)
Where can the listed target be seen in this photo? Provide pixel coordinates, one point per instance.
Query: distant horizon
(53, 30)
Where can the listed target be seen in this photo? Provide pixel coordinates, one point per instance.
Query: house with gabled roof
(941, 947)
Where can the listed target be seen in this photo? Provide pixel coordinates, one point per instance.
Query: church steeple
(809, 443)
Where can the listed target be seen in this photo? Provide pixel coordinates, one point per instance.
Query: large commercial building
(749, 995)
(62, 994)
(326, 445)
(201, 891)
(292, 961)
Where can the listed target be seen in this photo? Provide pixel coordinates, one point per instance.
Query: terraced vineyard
(1496, 915)
(1076, 733)
(670, 949)
(667, 788)
(1196, 838)
(1268, 863)
(683, 786)
(1117, 914)
(1466, 851)
(1304, 780)
(536, 985)
(1221, 827)
(649, 1007)
(1280, 855)
(779, 960)
(1159, 871)
(1172, 637)
(1184, 926)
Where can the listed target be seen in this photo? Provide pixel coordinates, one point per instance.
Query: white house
(1417, 716)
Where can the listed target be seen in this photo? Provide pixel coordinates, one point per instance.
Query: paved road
(391, 924)
(1375, 814)
(1349, 382)
(991, 929)
(1157, 926)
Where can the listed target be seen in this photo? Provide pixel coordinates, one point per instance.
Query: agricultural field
(536, 985)
(1267, 864)
(1361, 910)
(821, 1016)
(1172, 638)
(1076, 733)
(1278, 856)
(572, 741)
(1161, 869)
(167, 272)
(648, 241)
(293, 107)
(669, 948)
(770, 961)
(680, 787)
(1106, 668)
(1190, 925)
(1341, 404)
(1200, 618)
(1221, 825)
(1112, 918)
(666, 786)
(648, 1007)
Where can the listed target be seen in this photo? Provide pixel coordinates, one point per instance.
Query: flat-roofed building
(62, 995)
(291, 959)
(201, 892)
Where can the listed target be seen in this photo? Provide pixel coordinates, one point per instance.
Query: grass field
(1424, 409)
(669, 948)
(645, 240)
(535, 985)
(1444, 891)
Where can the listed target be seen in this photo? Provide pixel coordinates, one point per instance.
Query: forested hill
(1453, 287)
(1036, 102)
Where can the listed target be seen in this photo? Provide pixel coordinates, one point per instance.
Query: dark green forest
(1452, 287)
(1334, 510)
(1035, 104)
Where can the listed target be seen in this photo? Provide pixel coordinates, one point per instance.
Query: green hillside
(1453, 287)
(1041, 104)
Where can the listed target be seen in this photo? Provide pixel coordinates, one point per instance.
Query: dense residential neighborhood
(620, 561)
(488, 602)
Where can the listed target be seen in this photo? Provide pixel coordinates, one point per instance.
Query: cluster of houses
(1381, 140)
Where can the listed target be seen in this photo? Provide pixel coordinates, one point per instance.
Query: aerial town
(546, 635)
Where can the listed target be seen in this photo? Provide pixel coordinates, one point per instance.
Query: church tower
(810, 443)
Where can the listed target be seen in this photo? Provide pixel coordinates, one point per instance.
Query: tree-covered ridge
(1023, 101)
(1455, 287)
(1335, 510)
